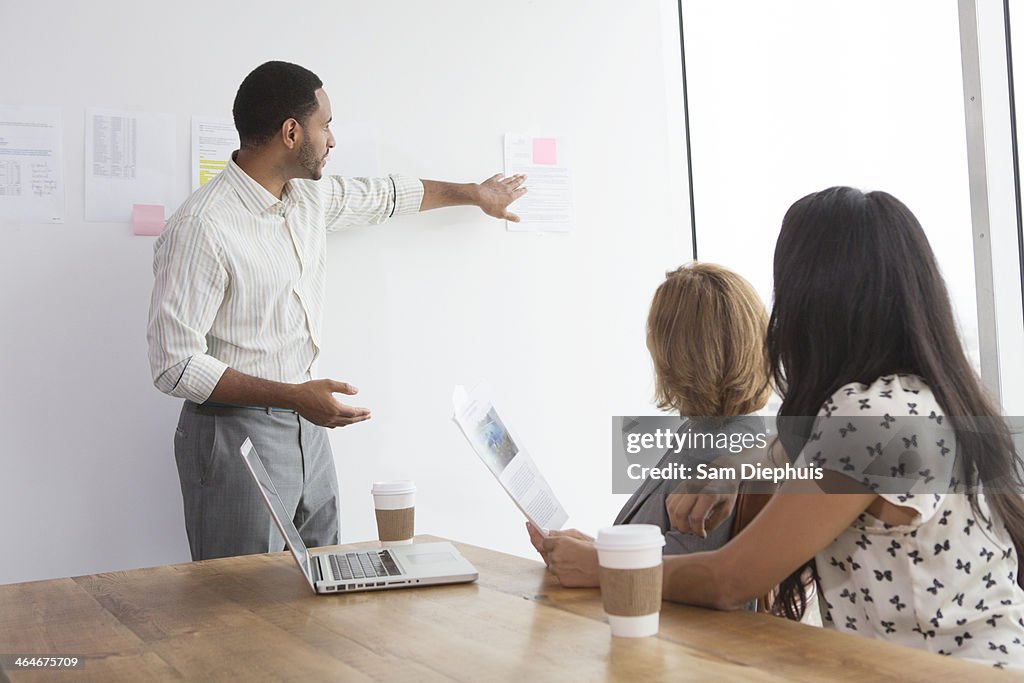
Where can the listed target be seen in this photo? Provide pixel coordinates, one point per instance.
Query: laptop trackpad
(429, 558)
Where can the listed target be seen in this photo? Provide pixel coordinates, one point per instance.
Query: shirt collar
(254, 196)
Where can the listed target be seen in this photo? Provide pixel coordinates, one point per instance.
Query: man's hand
(699, 513)
(314, 400)
(497, 192)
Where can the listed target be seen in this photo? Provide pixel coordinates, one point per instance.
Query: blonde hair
(706, 333)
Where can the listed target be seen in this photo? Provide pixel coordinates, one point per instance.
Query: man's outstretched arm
(492, 195)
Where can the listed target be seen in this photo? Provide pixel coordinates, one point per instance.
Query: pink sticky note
(147, 219)
(544, 151)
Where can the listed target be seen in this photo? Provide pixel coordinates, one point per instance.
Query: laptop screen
(277, 508)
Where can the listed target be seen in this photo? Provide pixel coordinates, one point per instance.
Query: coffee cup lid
(629, 537)
(393, 488)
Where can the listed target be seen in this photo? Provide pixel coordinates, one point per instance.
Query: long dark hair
(858, 295)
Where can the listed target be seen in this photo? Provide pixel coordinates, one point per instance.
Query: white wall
(553, 323)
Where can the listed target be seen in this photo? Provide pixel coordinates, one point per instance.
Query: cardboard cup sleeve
(631, 592)
(395, 525)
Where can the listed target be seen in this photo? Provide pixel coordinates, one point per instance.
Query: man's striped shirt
(240, 275)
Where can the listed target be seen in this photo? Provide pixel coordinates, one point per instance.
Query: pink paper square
(544, 151)
(147, 219)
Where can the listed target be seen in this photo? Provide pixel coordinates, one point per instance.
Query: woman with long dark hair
(914, 531)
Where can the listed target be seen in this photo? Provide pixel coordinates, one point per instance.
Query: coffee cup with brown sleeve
(394, 503)
(630, 572)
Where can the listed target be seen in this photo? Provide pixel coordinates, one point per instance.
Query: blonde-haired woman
(705, 334)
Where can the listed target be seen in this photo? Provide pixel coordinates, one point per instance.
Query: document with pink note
(547, 205)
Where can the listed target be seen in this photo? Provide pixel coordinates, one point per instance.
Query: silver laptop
(419, 564)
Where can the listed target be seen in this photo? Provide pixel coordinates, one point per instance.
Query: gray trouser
(224, 511)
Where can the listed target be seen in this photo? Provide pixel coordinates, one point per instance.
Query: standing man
(235, 318)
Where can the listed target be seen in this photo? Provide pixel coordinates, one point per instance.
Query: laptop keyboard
(363, 565)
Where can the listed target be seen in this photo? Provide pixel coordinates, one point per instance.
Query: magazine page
(511, 465)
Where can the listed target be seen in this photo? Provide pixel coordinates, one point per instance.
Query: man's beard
(310, 160)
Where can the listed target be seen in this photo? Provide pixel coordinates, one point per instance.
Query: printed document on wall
(129, 159)
(213, 141)
(31, 165)
(506, 459)
(547, 205)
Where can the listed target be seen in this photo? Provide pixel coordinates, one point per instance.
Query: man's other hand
(314, 400)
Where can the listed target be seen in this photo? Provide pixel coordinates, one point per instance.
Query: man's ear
(291, 133)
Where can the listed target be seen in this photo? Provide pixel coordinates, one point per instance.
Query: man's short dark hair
(273, 93)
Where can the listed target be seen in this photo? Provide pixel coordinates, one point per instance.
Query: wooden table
(254, 618)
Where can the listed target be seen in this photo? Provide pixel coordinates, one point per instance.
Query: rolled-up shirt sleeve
(362, 201)
(189, 284)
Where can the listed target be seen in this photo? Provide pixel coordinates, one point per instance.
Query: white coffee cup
(629, 559)
(394, 504)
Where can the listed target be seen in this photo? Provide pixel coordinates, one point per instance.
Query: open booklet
(513, 467)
